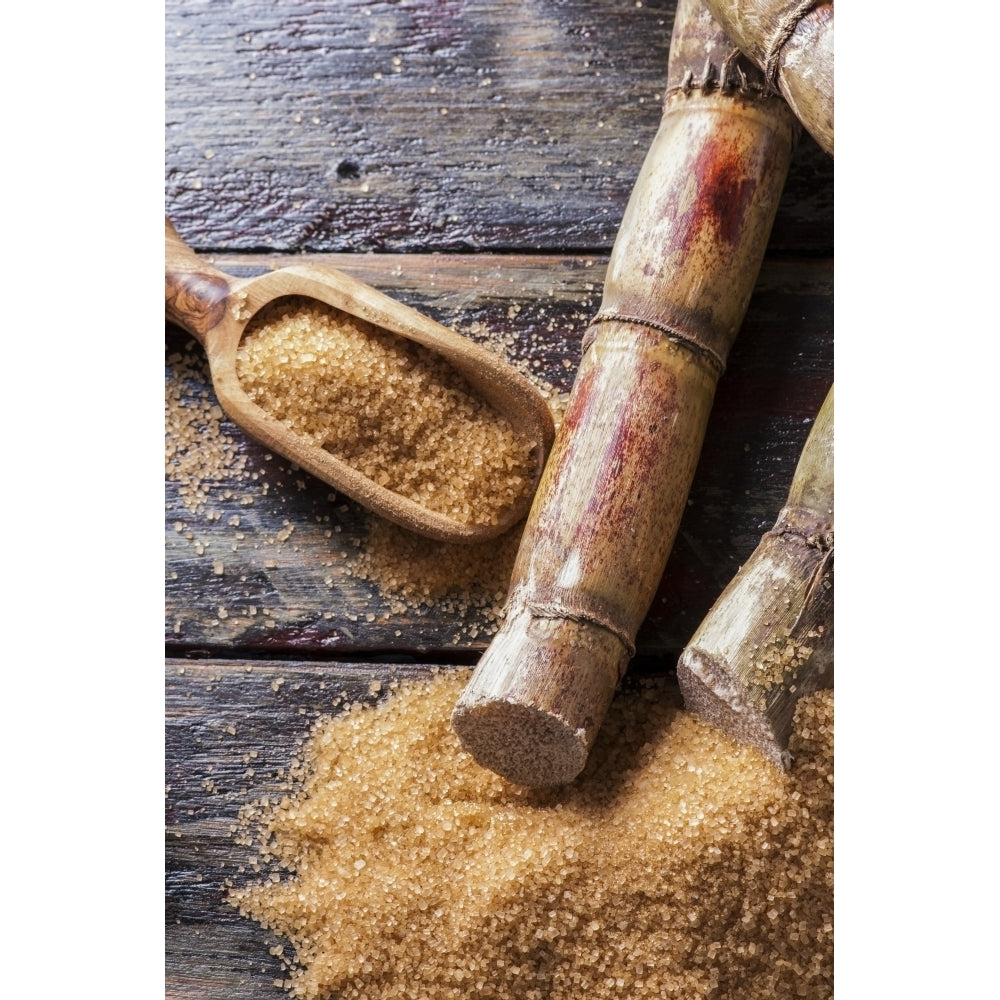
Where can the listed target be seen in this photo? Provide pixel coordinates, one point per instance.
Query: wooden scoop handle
(196, 292)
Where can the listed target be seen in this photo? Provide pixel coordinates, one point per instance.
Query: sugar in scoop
(392, 409)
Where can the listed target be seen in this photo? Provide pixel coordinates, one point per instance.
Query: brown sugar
(390, 408)
(413, 572)
(198, 453)
(678, 865)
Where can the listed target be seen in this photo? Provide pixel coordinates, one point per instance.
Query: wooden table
(474, 160)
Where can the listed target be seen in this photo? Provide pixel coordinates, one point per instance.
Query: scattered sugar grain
(471, 886)
(198, 452)
(412, 571)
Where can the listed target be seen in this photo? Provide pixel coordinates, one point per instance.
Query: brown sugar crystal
(412, 572)
(678, 865)
(390, 408)
(198, 452)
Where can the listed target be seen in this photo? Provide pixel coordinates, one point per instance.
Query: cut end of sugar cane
(768, 639)
(535, 725)
(764, 646)
(522, 743)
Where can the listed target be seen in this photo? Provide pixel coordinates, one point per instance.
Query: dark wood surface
(473, 160)
(443, 125)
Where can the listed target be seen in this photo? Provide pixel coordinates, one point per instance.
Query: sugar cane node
(787, 23)
(735, 73)
(691, 342)
(615, 486)
(591, 615)
(792, 43)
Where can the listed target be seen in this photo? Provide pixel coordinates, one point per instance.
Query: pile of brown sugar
(678, 864)
(390, 408)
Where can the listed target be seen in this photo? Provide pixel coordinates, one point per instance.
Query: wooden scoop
(215, 309)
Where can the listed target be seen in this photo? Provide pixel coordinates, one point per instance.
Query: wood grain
(434, 125)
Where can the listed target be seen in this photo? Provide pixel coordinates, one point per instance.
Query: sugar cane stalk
(768, 639)
(611, 497)
(792, 43)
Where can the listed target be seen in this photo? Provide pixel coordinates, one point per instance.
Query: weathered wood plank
(432, 125)
(267, 564)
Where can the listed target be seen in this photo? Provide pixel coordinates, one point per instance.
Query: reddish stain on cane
(724, 192)
(629, 439)
(823, 13)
